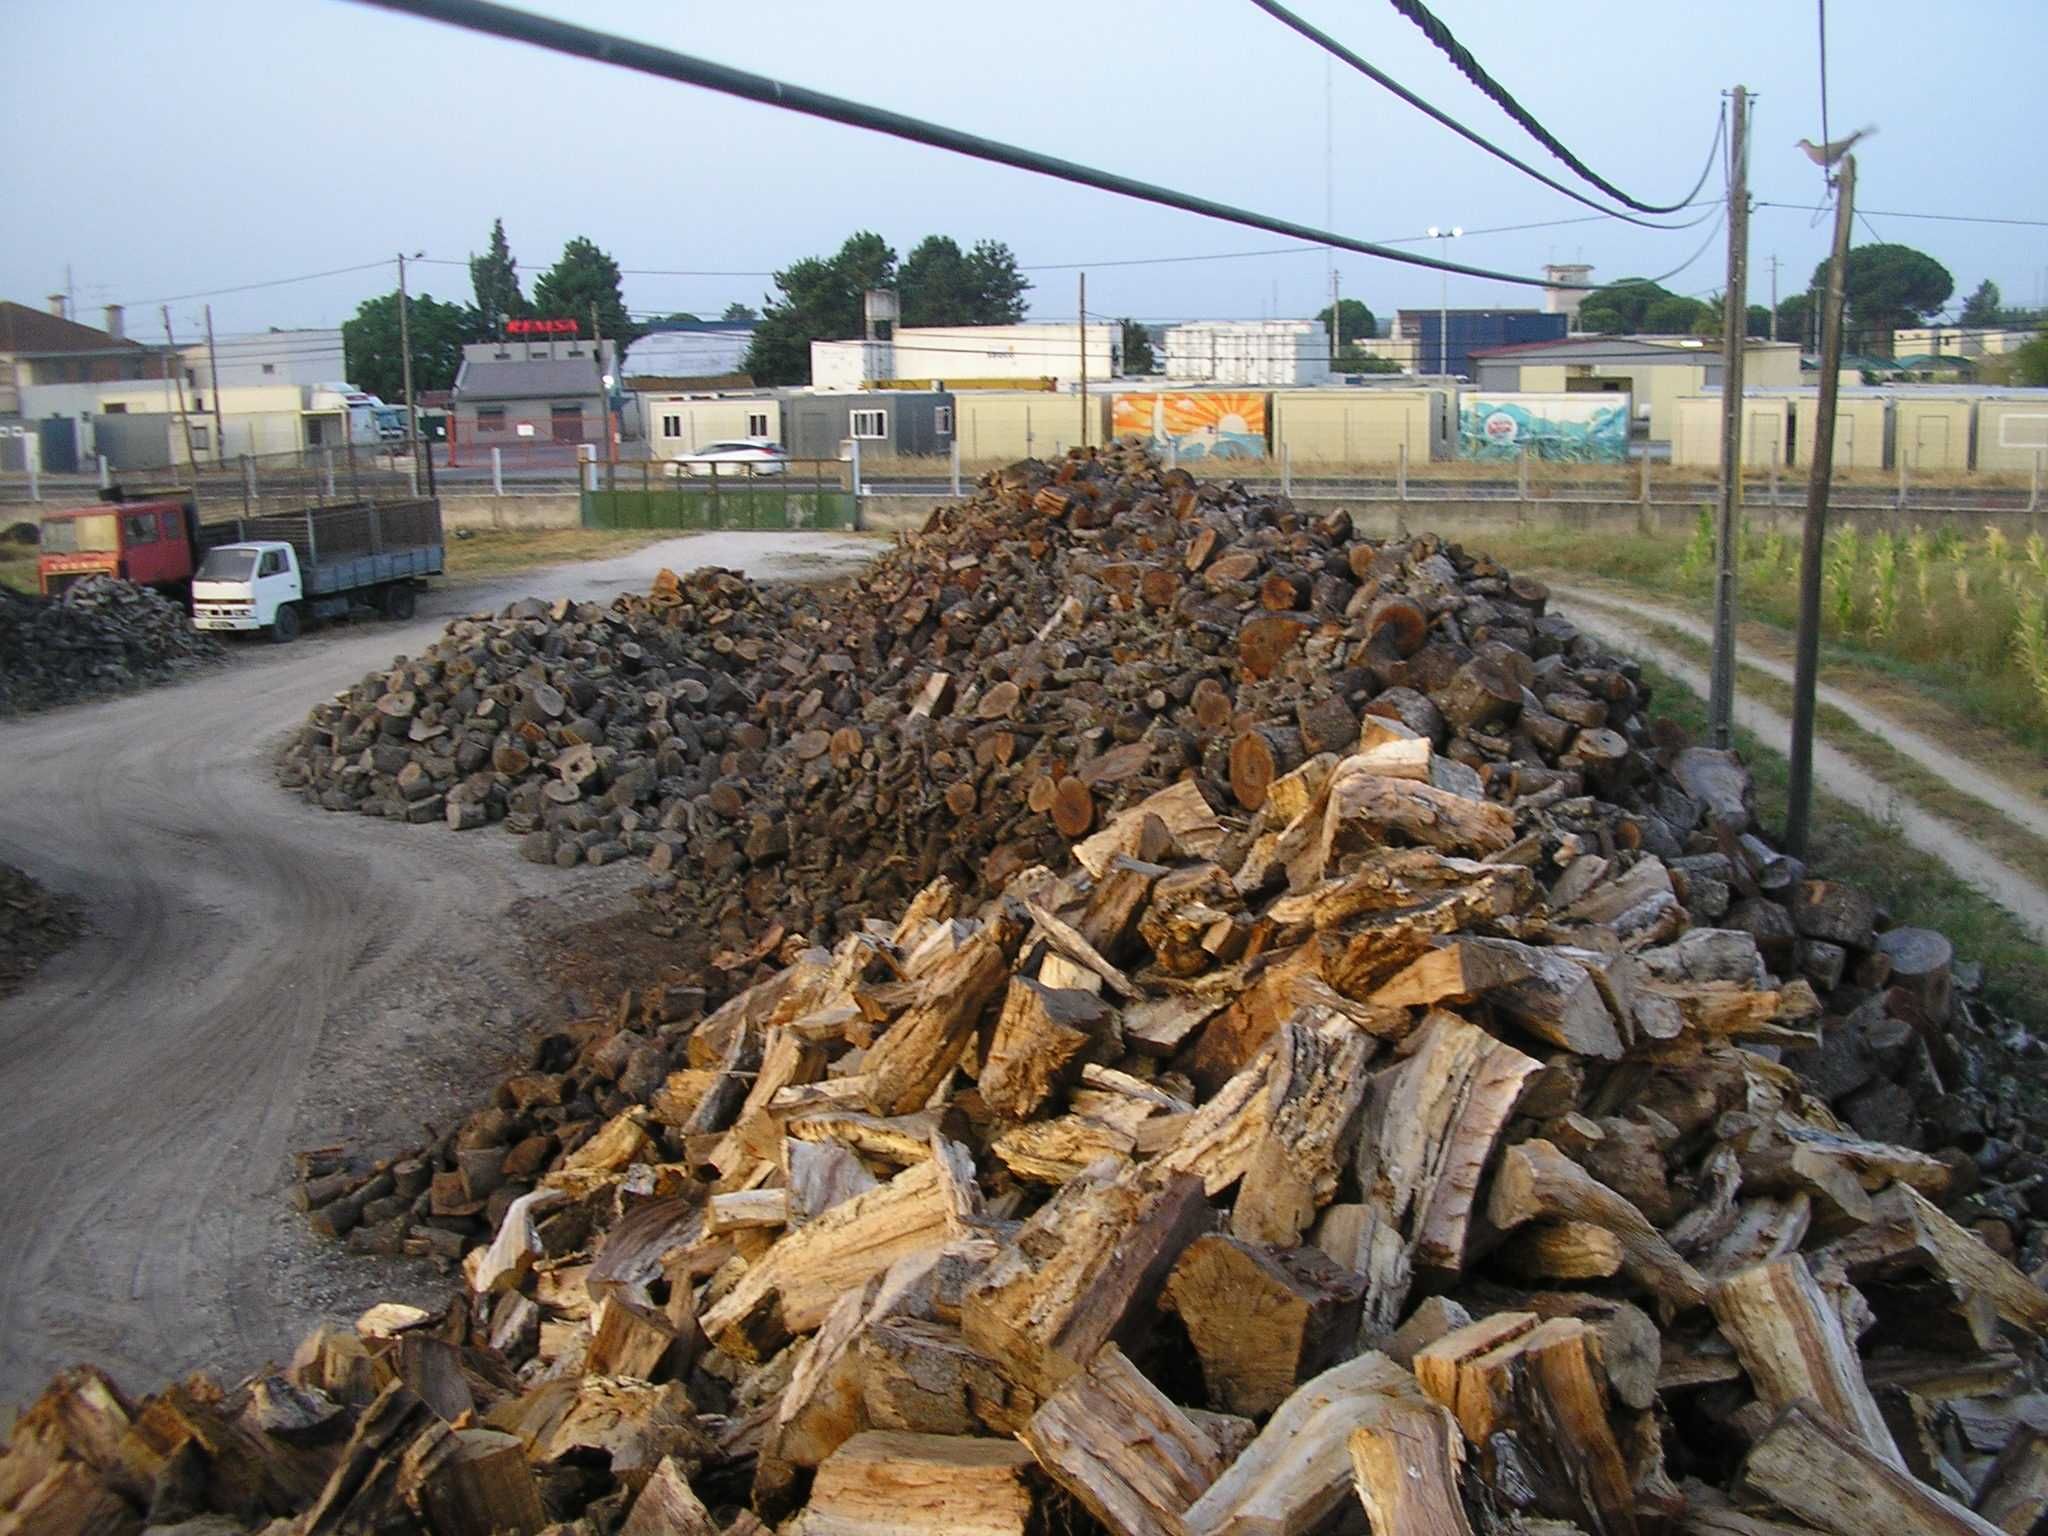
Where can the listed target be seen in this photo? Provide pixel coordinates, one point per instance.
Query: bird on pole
(1827, 155)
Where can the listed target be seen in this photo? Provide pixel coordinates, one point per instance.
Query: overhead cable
(666, 64)
(1469, 67)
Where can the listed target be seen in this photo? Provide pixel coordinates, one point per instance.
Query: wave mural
(1573, 429)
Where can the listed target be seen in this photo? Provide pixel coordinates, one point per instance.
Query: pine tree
(495, 278)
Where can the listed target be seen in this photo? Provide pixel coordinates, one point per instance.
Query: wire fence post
(248, 484)
(856, 465)
(1522, 475)
(1644, 495)
(106, 474)
(956, 466)
(1734, 323)
(2034, 493)
(1902, 482)
(497, 471)
(327, 467)
(32, 457)
(1401, 471)
(1286, 471)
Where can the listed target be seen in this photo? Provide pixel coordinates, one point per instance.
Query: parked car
(740, 456)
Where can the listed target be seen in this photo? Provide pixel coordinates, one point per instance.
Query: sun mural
(1209, 425)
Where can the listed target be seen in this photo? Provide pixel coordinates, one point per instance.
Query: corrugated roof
(1608, 344)
(541, 379)
(23, 329)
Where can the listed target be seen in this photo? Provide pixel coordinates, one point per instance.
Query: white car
(740, 456)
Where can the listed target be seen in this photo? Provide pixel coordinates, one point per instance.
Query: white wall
(926, 353)
(268, 357)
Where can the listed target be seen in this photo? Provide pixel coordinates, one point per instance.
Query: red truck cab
(146, 542)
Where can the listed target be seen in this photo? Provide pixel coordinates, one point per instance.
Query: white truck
(276, 572)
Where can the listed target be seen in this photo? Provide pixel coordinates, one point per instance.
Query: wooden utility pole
(1084, 359)
(1806, 663)
(412, 435)
(220, 431)
(178, 366)
(1734, 322)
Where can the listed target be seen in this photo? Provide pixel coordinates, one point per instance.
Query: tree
(494, 276)
(1353, 321)
(1137, 348)
(819, 300)
(737, 311)
(941, 285)
(1981, 308)
(1620, 307)
(1795, 317)
(1675, 315)
(1888, 286)
(585, 277)
(2030, 362)
(1759, 320)
(669, 321)
(370, 350)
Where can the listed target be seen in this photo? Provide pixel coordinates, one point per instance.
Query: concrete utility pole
(1444, 237)
(1734, 322)
(1335, 343)
(1774, 297)
(412, 435)
(220, 431)
(178, 363)
(1084, 359)
(1806, 661)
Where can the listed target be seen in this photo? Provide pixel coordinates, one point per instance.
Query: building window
(671, 426)
(871, 424)
(757, 423)
(270, 367)
(942, 421)
(490, 418)
(199, 439)
(115, 408)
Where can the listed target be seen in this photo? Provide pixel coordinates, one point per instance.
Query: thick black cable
(643, 58)
(1469, 67)
(1380, 77)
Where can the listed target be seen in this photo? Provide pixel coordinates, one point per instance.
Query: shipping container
(1361, 426)
(2012, 432)
(1009, 425)
(680, 424)
(1931, 436)
(1862, 430)
(1766, 431)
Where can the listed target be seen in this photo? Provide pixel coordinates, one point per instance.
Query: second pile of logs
(102, 636)
(1331, 1168)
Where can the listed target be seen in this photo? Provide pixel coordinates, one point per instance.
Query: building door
(1930, 443)
(565, 423)
(59, 445)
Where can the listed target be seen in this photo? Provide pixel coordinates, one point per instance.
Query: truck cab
(256, 585)
(146, 542)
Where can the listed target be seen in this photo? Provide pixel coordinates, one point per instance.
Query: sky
(169, 148)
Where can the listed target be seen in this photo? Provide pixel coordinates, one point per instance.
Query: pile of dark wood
(102, 636)
(577, 725)
(33, 926)
(1391, 1158)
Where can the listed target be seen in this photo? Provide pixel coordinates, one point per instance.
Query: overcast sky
(163, 147)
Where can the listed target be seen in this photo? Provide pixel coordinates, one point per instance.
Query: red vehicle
(153, 543)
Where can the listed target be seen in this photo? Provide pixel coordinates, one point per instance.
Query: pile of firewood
(561, 721)
(102, 636)
(1394, 1158)
(33, 926)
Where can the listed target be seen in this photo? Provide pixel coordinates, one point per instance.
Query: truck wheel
(285, 627)
(398, 601)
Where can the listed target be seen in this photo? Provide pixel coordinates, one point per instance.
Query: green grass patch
(18, 571)
(1964, 619)
(1914, 887)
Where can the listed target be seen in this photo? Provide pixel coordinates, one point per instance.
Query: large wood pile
(1352, 1165)
(34, 924)
(102, 636)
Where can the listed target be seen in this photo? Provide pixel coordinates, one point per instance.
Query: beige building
(1958, 341)
(1005, 425)
(2012, 432)
(1656, 372)
(1766, 431)
(1362, 426)
(678, 424)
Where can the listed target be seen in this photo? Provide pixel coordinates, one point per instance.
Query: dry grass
(17, 570)
(496, 552)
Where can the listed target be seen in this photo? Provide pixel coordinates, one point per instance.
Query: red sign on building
(540, 327)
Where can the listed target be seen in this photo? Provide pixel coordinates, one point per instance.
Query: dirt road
(260, 977)
(2019, 893)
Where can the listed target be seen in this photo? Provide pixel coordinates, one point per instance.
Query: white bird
(1827, 154)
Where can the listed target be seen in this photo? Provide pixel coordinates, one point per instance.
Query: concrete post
(412, 475)
(587, 454)
(1401, 473)
(248, 485)
(2034, 496)
(497, 471)
(856, 466)
(1646, 480)
(106, 473)
(32, 456)
(956, 466)
(1522, 473)
(327, 467)
(1774, 479)
(1286, 471)
(1902, 482)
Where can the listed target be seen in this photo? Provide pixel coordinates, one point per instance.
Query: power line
(1946, 218)
(644, 58)
(1331, 46)
(1823, 9)
(275, 282)
(1469, 67)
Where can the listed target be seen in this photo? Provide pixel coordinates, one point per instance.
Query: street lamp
(1444, 237)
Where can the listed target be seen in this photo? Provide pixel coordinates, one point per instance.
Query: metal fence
(254, 485)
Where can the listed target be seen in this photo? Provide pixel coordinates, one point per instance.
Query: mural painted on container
(1208, 425)
(1586, 429)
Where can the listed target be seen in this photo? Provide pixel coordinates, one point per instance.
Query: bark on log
(1261, 1319)
(1837, 1484)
